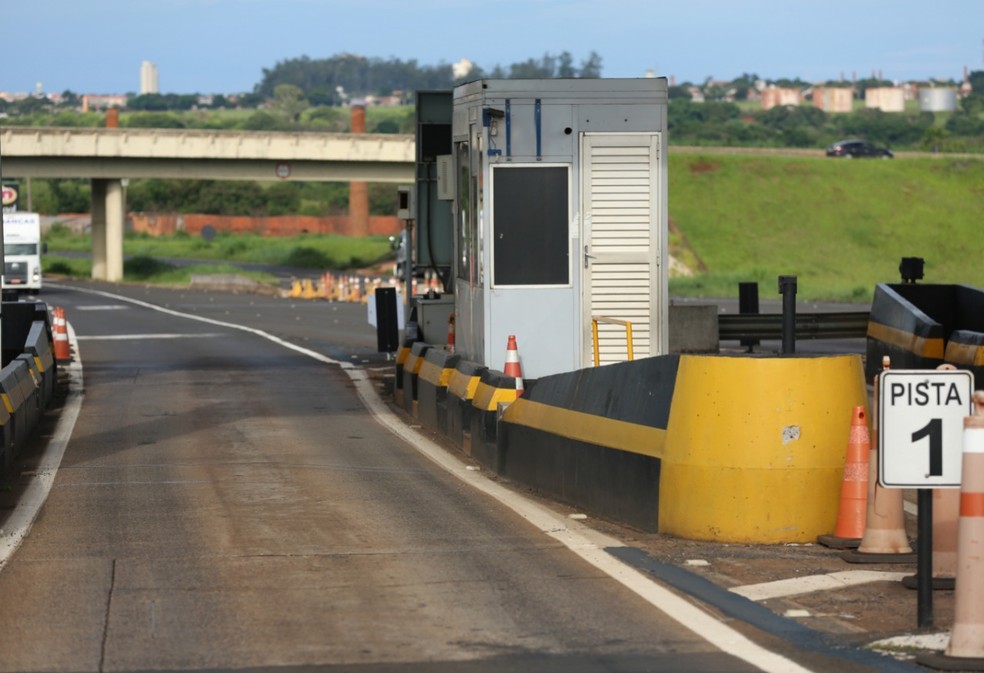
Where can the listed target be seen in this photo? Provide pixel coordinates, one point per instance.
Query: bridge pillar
(98, 229)
(108, 213)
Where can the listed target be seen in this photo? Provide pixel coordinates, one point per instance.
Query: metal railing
(611, 321)
(848, 325)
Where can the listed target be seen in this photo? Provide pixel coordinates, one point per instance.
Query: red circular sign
(9, 197)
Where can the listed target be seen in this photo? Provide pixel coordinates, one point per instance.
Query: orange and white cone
(967, 637)
(451, 333)
(59, 332)
(885, 539)
(512, 367)
(852, 512)
(965, 651)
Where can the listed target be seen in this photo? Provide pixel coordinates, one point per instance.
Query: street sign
(920, 426)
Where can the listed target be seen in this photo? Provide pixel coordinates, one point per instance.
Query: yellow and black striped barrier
(462, 387)
(432, 388)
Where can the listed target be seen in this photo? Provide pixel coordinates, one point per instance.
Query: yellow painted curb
(755, 447)
(488, 398)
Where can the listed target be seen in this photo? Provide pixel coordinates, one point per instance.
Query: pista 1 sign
(920, 432)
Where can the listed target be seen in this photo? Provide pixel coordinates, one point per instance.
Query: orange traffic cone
(513, 368)
(966, 646)
(854, 487)
(885, 539)
(451, 333)
(59, 332)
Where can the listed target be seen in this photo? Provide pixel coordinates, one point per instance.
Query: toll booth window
(530, 237)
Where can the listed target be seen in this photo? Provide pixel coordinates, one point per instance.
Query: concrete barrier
(594, 438)
(39, 346)
(411, 372)
(965, 350)
(755, 447)
(731, 449)
(495, 390)
(15, 389)
(432, 388)
(462, 387)
(913, 324)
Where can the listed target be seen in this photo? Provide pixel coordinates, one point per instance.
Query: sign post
(920, 446)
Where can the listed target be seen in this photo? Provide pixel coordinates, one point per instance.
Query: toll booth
(559, 200)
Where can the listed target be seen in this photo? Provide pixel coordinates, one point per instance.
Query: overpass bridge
(107, 156)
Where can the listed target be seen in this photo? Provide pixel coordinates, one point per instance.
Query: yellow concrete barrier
(755, 447)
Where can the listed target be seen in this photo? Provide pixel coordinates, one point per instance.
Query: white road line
(141, 337)
(105, 307)
(26, 510)
(797, 586)
(590, 545)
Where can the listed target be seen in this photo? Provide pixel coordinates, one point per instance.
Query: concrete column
(99, 229)
(108, 213)
(115, 215)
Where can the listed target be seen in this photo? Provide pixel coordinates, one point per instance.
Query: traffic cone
(59, 332)
(946, 515)
(450, 347)
(854, 487)
(884, 540)
(965, 650)
(513, 368)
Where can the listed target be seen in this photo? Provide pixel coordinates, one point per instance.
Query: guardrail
(768, 326)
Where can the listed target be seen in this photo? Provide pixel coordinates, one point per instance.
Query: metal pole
(924, 560)
(748, 303)
(787, 288)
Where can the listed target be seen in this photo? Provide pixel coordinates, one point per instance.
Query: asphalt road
(226, 503)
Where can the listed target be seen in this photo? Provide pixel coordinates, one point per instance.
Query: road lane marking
(140, 337)
(103, 307)
(797, 586)
(586, 543)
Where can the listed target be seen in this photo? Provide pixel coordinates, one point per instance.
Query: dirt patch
(703, 166)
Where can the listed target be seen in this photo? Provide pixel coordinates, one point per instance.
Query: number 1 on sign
(933, 430)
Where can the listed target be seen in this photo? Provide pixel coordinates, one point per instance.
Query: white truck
(22, 250)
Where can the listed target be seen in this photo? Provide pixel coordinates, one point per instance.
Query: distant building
(91, 102)
(774, 96)
(148, 78)
(886, 99)
(833, 99)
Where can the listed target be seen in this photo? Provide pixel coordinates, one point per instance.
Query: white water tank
(937, 99)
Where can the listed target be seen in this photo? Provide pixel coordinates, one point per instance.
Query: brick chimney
(358, 191)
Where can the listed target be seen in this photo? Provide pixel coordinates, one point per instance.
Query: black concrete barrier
(912, 323)
(39, 345)
(495, 391)
(461, 391)
(411, 371)
(965, 350)
(593, 438)
(432, 388)
(15, 388)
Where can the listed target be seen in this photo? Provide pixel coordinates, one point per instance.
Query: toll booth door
(624, 241)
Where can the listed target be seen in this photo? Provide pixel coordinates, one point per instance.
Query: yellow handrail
(611, 321)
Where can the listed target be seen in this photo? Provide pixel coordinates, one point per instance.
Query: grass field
(840, 226)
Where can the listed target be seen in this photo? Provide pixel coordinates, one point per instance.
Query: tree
(289, 100)
(591, 68)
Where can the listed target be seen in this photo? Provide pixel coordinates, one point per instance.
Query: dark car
(858, 148)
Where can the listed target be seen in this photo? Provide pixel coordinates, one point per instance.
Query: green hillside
(841, 226)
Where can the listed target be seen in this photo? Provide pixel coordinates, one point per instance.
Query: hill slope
(840, 225)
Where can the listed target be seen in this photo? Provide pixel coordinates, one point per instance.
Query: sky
(223, 46)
